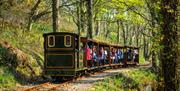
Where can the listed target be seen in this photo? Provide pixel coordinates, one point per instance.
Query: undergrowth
(31, 43)
(133, 80)
(7, 79)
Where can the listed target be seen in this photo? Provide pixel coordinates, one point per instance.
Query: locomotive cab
(60, 54)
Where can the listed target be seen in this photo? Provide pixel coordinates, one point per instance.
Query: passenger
(136, 56)
(76, 45)
(88, 55)
(125, 58)
(116, 56)
(120, 55)
(130, 55)
(103, 55)
(95, 58)
(112, 55)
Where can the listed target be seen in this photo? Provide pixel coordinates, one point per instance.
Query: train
(69, 55)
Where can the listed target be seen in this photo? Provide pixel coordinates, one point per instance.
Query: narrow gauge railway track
(38, 86)
(50, 86)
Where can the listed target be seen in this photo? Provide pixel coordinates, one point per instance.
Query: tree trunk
(151, 6)
(104, 27)
(55, 15)
(107, 30)
(131, 37)
(178, 73)
(90, 19)
(169, 43)
(82, 15)
(97, 27)
(79, 18)
(144, 47)
(137, 35)
(31, 14)
(118, 31)
(124, 33)
(153, 51)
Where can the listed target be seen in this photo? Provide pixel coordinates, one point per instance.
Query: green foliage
(141, 60)
(141, 57)
(22, 39)
(143, 77)
(100, 37)
(7, 79)
(2, 52)
(130, 80)
(112, 37)
(42, 27)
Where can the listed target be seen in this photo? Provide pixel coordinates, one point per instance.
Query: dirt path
(86, 84)
(81, 84)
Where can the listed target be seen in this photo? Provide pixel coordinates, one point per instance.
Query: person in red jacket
(88, 56)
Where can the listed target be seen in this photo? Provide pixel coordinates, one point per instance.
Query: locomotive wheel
(57, 78)
(61, 78)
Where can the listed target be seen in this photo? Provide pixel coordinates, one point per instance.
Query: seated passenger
(130, 55)
(136, 56)
(116, 57)
(95, 58)
(88, 55)
(102, 56)
(112, 55)
(76, 45)
(120, 55)
(105, 57)
(125, 58)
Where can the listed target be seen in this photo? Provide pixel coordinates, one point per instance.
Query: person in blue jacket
(120, 55)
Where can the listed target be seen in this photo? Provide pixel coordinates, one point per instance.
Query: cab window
(51, 41)
(67, 41)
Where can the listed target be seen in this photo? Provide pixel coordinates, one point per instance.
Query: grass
(23, 40)
(132, 80)
(7, 79)
(31, 43)
(141, 60)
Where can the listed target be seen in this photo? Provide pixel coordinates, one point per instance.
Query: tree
(153, 15)
(169, 43)
(55, 15)
(31, 14)
(90, 18)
